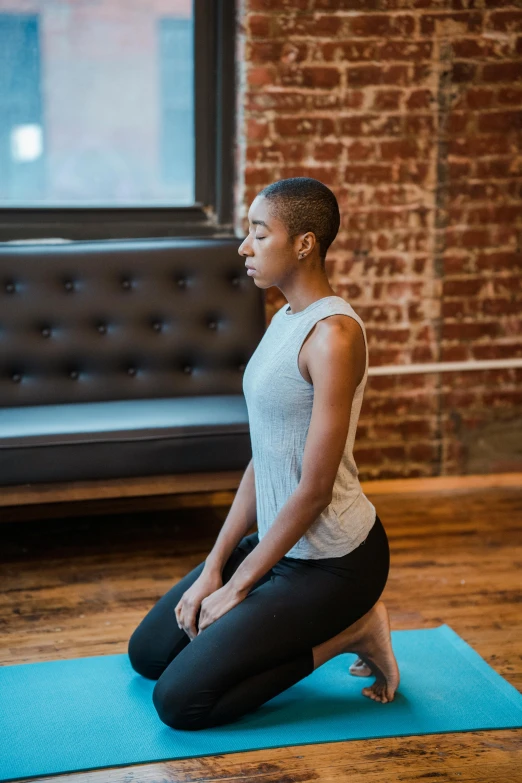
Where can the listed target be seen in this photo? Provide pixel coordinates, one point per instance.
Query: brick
(359, 150)
(307, 25)
(381, 25)
(413, 171)
(257, 131)
(277, 152)
(463, 72)
(261, 177)
(500, 261)
(453, 353)
(423, 353)
(509, 96)
(379, 314)
(501, 120)
(371, 125)
(297, 126)
(273, 51)
(502, 398)
(466, 287)
(502, 72)
(420, 99)
(371, 174)
(506, 21)
(277, 5)
(258, 25)
(458, 122)
(386, 100)
(459, 399)
(497, 351)
(457, 171)
(328, 150)
(419, 124)
(364, 75)
(411, 51)
(400, 148)
(469, 48)
(480, 98)
(469, 331)
(327, 78)
(328, 175)
(451, 23)
(423, 452)
(495, 168)
(260, 76)
(388, 335)
(476, 146)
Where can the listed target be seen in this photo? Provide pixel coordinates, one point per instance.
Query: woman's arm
(295, 517)
(241, 517)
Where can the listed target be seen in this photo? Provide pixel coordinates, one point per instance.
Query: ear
(307, 243)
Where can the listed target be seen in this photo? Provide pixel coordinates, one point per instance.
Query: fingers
(186, 618)
(190, 621)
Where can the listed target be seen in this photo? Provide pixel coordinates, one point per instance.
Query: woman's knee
(178, 706)
(141, 656)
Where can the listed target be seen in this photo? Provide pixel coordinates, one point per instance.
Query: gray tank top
(279, 403)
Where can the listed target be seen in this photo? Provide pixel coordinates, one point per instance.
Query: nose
(244, 250)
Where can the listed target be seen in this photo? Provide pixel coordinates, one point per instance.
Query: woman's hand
(219, 603)
(190, 602)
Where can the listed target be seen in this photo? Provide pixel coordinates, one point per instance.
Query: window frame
(214, 108)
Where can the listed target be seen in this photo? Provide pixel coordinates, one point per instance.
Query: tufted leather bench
(124, 359)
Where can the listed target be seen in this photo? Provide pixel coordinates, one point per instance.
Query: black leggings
(263, 645)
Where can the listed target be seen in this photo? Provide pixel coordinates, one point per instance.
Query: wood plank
(117, 488)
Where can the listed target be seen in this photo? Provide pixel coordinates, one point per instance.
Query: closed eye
(260, 237)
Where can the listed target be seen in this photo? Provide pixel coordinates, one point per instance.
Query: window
(116, 119)
(22, 171)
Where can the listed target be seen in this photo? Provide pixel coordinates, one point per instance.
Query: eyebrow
(259, 223)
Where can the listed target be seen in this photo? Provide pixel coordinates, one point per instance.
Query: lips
(249, 267)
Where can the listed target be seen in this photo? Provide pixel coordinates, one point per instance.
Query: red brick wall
(411, 111)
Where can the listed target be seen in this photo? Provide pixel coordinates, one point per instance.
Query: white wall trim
(471, 364)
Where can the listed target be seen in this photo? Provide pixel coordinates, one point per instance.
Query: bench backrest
(112, 320)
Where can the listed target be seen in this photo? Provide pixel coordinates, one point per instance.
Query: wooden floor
(78, 587)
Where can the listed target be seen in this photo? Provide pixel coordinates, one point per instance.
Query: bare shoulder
(336, 332)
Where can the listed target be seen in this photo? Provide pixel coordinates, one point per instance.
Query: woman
(266, 609)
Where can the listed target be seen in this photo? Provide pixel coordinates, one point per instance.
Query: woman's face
(267, 247)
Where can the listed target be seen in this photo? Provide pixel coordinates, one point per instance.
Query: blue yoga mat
(88, 713)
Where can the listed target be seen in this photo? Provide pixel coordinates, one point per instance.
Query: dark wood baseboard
(190, 490)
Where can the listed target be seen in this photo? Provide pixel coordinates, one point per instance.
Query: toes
(378, 692)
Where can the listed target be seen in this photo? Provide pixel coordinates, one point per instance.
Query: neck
(299, 300)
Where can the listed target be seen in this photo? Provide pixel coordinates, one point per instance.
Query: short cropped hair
(305, 204)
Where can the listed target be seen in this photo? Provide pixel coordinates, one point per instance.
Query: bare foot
(370, 639)
(360, 669)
